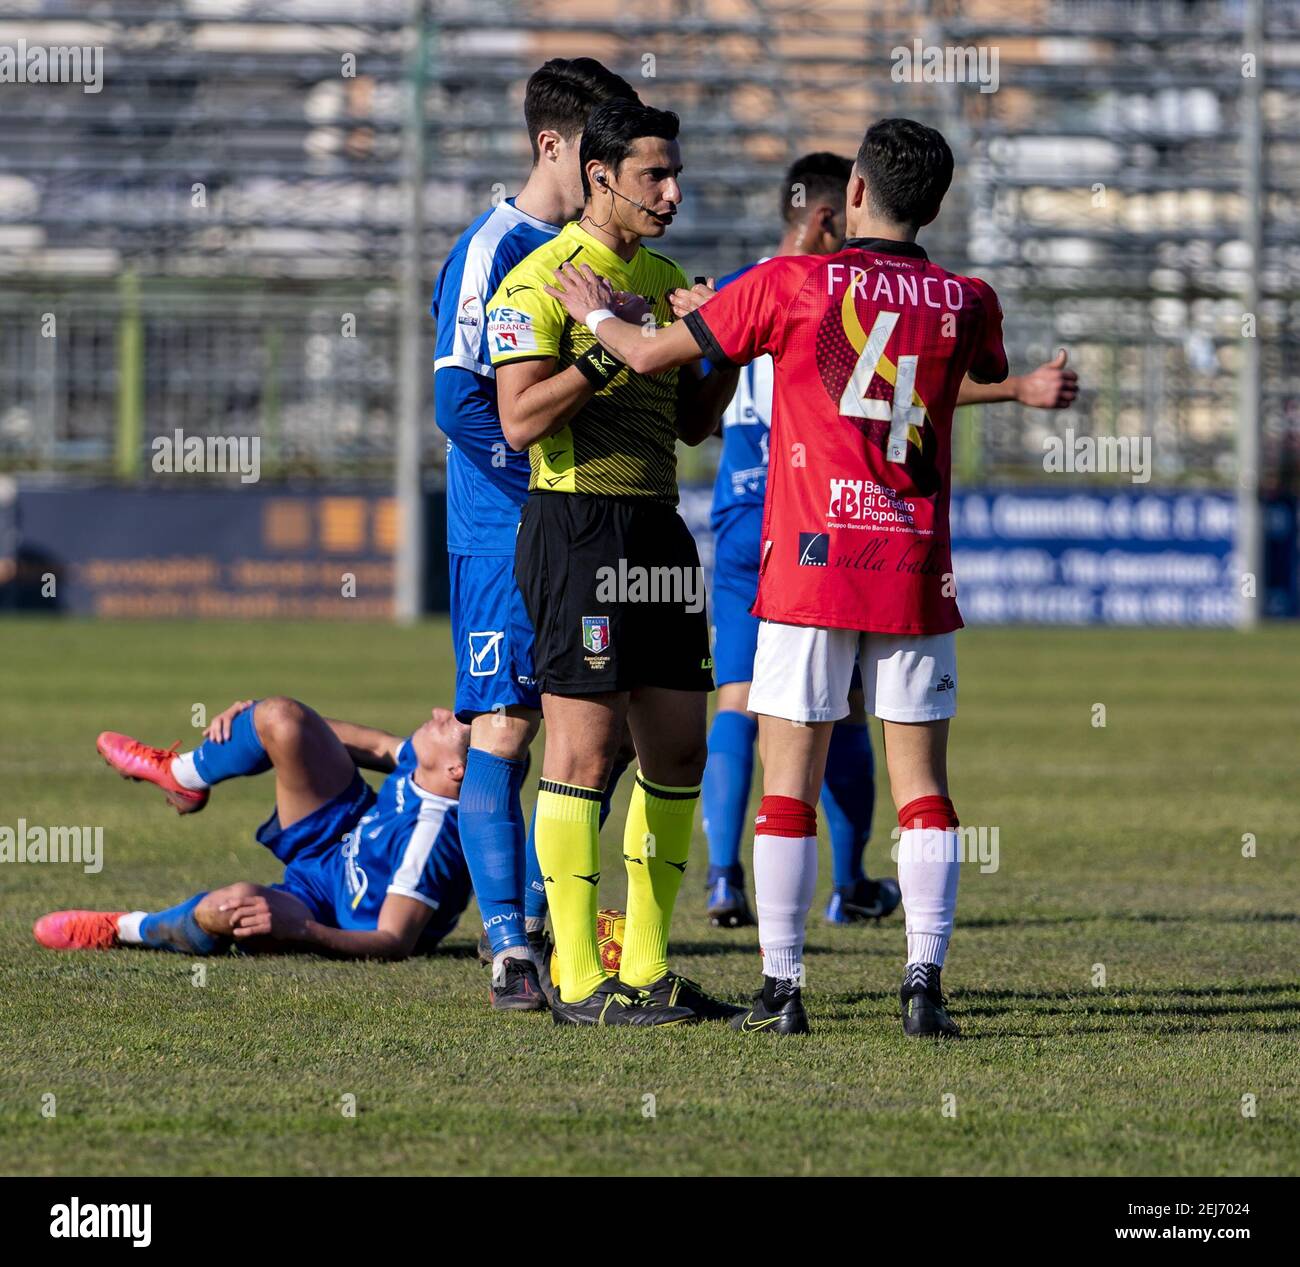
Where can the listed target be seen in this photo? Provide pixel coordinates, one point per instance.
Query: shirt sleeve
(745, 319)
(457, 307)
(526, 326)
(989, 364)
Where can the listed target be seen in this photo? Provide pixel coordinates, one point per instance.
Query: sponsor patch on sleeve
(470, 312)
(510, 330)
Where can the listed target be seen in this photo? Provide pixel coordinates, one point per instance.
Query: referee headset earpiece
(604, 184)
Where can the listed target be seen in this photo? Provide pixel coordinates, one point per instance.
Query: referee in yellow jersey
(609, 572)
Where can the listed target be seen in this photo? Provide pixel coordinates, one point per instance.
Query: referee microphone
(658, 215)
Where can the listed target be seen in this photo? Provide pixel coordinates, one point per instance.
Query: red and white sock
(928, 867)
(785, 875)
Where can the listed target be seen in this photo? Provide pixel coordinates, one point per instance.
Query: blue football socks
(849, 799)
(241, 754)
(177, 929)
(492, 835)
(725, 794)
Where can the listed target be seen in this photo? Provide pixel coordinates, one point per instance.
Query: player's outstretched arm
(1050, 386)
(645, 348)
(265, 915)
(369, 747)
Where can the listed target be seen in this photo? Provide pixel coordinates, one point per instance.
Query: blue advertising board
(1020, 555)
(1108, 558)
(323, 552)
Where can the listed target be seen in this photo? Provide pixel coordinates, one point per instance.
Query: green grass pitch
(1119, 846)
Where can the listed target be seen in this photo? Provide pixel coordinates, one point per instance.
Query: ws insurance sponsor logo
(101, 1221)
(510, 330)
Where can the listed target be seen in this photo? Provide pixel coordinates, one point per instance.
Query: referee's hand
(684, 301)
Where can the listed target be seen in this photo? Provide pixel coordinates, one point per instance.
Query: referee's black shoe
(673, 991)
(613, 1003)
(925, 1010)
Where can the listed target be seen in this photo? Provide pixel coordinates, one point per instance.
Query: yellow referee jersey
(622, 443)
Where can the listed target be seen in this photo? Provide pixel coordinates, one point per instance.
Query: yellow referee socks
(568, 851)
(655, 844)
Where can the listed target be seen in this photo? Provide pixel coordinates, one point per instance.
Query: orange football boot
(135, 760)
(78, 930)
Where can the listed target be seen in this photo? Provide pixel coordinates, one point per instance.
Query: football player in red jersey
(870, 346)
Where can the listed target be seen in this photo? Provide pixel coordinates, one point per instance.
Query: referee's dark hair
(813, 179)
(563, 92)
(613, 128)
(907, 167)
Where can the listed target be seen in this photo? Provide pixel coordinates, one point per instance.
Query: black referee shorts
(615, 593)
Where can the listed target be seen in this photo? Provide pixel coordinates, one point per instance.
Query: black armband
(598, 365)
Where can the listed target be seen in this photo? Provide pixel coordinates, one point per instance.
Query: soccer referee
(608, 570)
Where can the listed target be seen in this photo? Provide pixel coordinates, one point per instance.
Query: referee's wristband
(595, 317)
(598, 365)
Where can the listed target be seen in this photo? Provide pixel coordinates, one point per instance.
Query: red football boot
(78, 930)
(135, 760)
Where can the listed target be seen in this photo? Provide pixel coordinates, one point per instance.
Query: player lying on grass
(812, 204)
(366, 874)
(870, 347)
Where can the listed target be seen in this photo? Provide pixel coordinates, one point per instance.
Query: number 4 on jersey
(901, 414)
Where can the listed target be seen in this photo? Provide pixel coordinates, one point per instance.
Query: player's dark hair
(813, 179)
(564, 91)
(907, 167)
(614, 127)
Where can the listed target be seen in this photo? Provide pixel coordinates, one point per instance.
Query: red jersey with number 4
(870, 346)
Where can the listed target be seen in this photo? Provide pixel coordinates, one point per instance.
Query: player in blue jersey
(812, 207)
(366, 874)
(487, 484)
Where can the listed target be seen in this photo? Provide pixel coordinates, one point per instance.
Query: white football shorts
(802, 673)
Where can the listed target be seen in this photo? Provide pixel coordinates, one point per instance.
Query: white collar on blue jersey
(545, 225)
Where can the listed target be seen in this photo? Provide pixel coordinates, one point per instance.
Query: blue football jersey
(403, 844)
(487, 482)
(742, 468)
